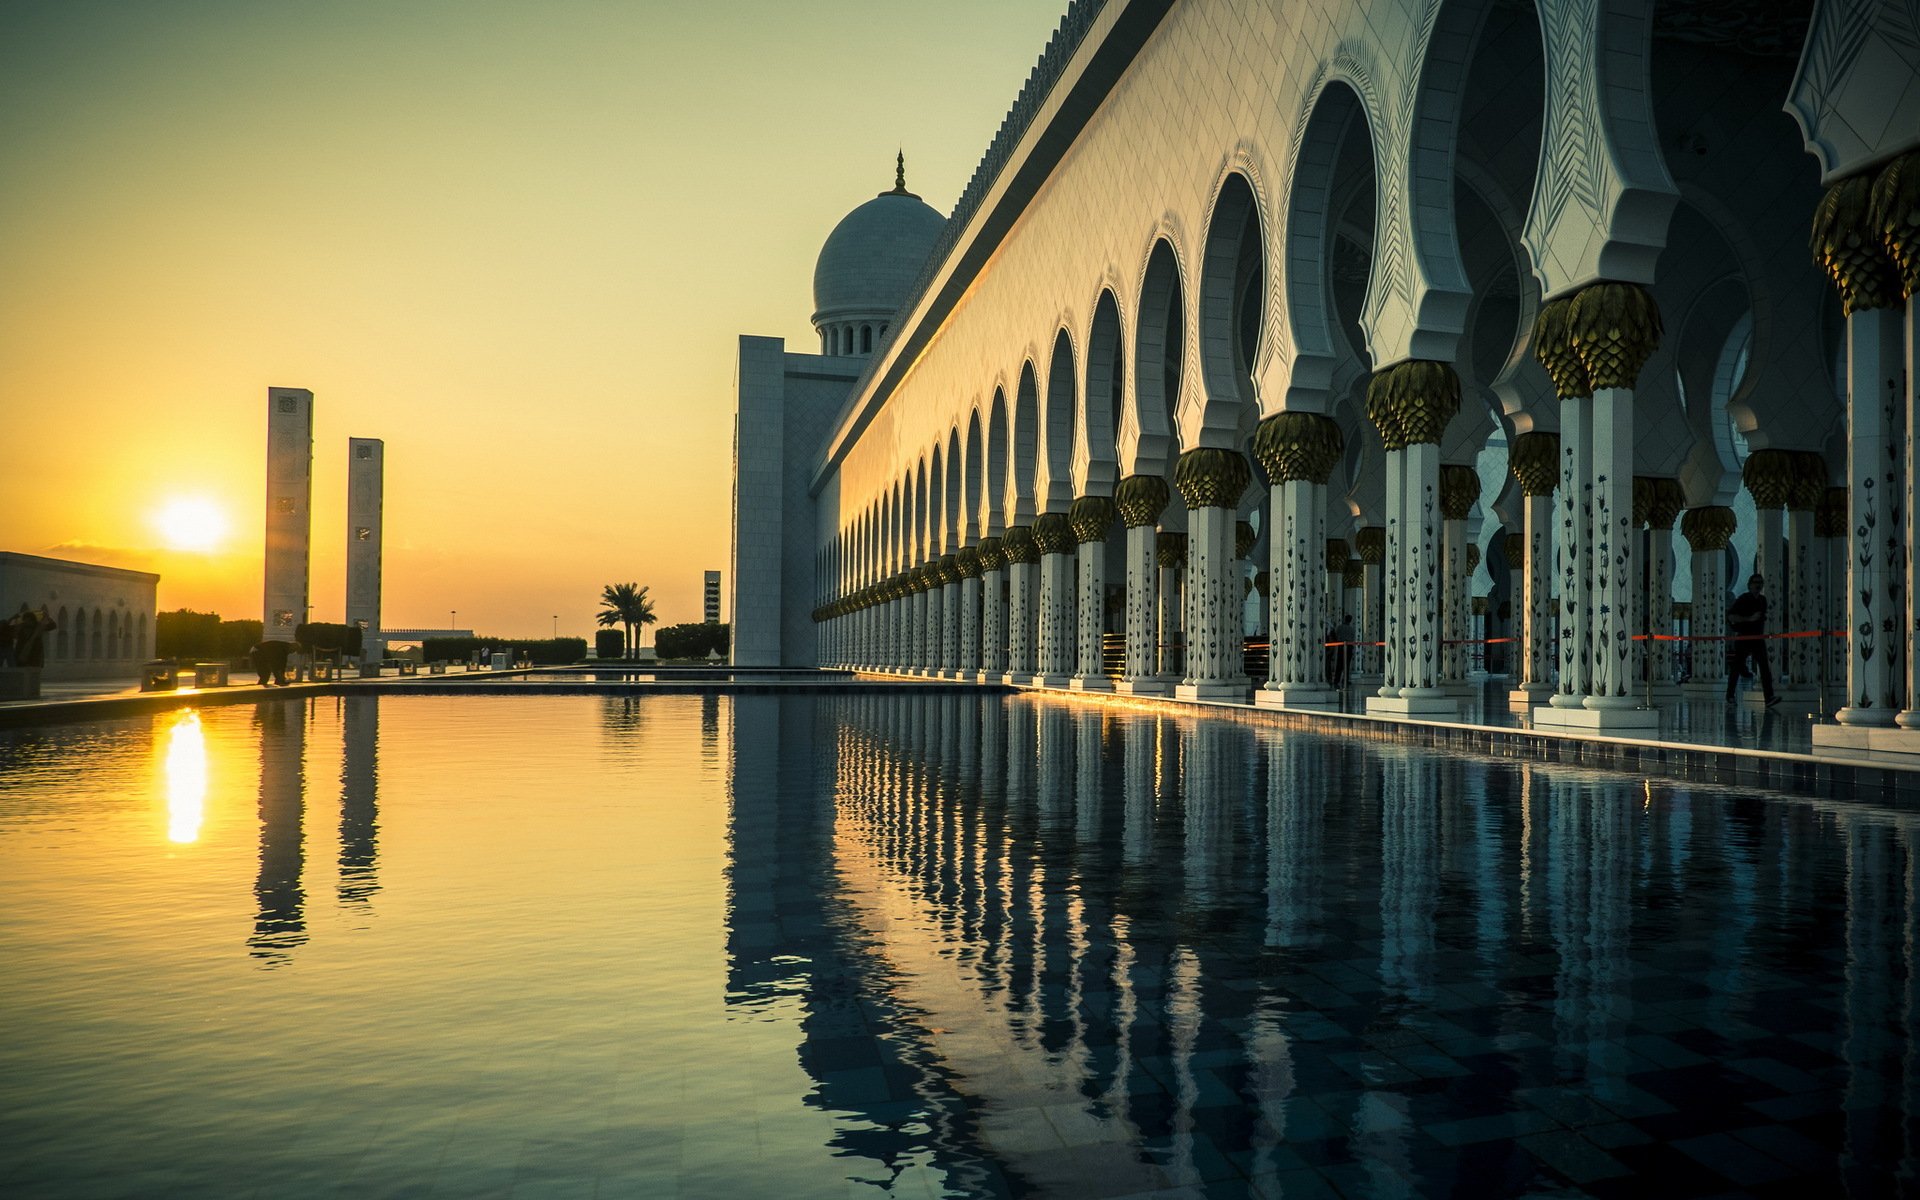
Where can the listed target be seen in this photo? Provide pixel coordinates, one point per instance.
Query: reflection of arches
(1231, 307)
(97, 647)
(991, 519)
(1159, 348)
(1336, 116)
(1053, 491)
(1097, 431)
(1026, 448)
(975, 479)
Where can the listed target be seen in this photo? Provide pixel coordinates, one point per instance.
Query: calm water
(936, 945)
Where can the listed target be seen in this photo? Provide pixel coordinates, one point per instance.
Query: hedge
(545, 652)
(184, 633)
(690, 641)
(609, 643)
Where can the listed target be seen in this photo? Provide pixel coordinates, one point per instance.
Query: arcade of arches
(1264, 320)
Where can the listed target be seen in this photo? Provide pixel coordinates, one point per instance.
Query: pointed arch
(970, 502)
(1053, 489)
(1025, 450)
(994, 500)
(1231, 313)
(1097, 430)
(1159, 357)
(954, 521)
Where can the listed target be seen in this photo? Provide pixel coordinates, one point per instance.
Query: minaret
(289, 504)
(366, 464)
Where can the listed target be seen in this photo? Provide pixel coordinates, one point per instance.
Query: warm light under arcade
(186, 778)
(191, 523)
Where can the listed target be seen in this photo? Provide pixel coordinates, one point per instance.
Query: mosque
(1431, 320)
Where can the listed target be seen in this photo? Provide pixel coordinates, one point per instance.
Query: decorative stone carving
(1298, 446)
(1809, 483)
(1473, 557)
(1614, 328)
(1896, 213)
(1354, 574)
(1459, 489)
(1140, 500)
(1091, 517)
(1020, 546)
(1170, 548)
(993, 555)
(1849, 246)
(1371, 544)
(1515, 546)
(948, 569)
(1769, 475)
(1534, 460)
(1479, 606)
(968, 561)
(1053, 534)
(1668, 501)
(1383, 414)
(1830, 518)
(1423, 396)
(1642, 500)
(1337, 553)
(1212, 478)
(1243, 539)
(1683, 610)
(1708, 528)
(1553, 347)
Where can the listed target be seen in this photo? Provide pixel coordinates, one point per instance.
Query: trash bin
(500, 662)
(159, 676)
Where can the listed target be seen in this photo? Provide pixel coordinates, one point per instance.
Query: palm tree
(626, 605)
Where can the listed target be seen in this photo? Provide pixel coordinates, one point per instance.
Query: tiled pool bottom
(933, 945)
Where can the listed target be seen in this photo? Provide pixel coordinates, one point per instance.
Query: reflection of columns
(967, 562)
(280, 924)
(1170, 551)
(1412, 402)
(1596, 343)
(1140, 500)
(1211, 481)
(1668, 500)
(1022, 559)
(1297, 450)
(1851, 248)
(993, 607)
(1090, 517)
(1535, 462)
(359, 800)
(1371, 544)
(1459, 491)
(1053, 534)
(1707, 531)
(1136, 783)
(1296, 828)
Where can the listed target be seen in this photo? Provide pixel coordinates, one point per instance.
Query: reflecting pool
(925, 945)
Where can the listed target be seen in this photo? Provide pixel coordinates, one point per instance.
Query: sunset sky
(516, 240)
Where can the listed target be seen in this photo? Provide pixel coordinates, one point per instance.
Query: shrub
(184, 633)
(690, 641)
(328, 636)
(609, 643)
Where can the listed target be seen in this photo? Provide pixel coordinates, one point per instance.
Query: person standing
(1747, 622)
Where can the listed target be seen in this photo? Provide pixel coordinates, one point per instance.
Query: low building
(103, 616)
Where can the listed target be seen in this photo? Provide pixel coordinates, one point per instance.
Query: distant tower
(289, 505)
(713, 597)
(366, 466)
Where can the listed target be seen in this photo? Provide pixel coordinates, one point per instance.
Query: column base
(1432, 707)
(1091, 683)
(1217, 690)
(1150, 685)
(1527, 695)
(1459, 687)
(1863, 718)
(1909, 719)
(1899, 746)
(1017, 678)
(1319, 699)
(1597, 720)
(1049, 681)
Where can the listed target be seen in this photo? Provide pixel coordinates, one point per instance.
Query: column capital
(1338, 552)
(1243, 538)
(1371, 544)
(1515, 546)
(1212, 478)
(1830, 519)
(1459, 489)
(1141, 499)
(1768, 475)
(1850, 247)
(947, 570)
(1091, 517)
(1170, 548)
(1683, 610)
(968, 562)
(1896, 210)
(1553, 349)
(1020, 546)
(1668, 500)
(1423, 395)
(1615, 328)
(1534, 460)
(992, 555)
(1383, 414)
(1708, 528)
(1473, 555)
(1298, 446)
(1809, 481)
(1354, 574)
(1053, 533)
(1642, 500)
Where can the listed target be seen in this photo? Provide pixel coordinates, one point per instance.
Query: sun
(191, 523)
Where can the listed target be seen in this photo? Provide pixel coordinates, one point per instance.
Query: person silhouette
(1747, 621)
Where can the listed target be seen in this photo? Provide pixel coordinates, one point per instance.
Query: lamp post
(453, 619)
(556, 625)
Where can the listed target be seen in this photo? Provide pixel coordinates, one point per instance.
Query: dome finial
(900, 172)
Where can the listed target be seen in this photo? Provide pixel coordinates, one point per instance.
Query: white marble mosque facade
(1284, 266)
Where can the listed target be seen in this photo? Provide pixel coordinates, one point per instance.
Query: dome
(874, 255)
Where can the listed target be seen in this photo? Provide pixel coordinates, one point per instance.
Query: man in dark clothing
(1747, 622)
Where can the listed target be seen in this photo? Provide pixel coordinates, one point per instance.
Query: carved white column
(1297, 450)
(1668, 500)
(1611, 551)
(1090, 518)
(993, 608)
(1421, 626)
(1171, 555)
(1459, 490)
(1802, 556)
(1023, 563)
(968, 561)
(1572, 506)
(1534, 460)
(949, 616)
(1140, 500)
(1211, 481)
(1707, 531)
(1371, 544)
(1393, 655)
(1055, 643)
(1411, 404)
(1338, 554)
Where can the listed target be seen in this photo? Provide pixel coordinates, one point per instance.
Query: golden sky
(516, 240)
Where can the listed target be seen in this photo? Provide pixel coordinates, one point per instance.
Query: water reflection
(359, 802)
(186, 767)
(280, 922)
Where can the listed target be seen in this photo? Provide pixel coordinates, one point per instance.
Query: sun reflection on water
(186, 778)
